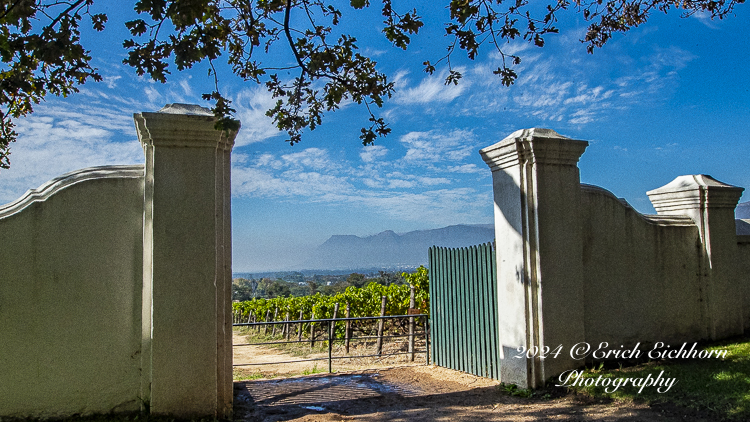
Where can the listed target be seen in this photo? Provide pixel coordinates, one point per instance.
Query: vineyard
(362, 302)
(289, 322)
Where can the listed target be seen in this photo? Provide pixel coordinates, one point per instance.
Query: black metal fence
(416, 324)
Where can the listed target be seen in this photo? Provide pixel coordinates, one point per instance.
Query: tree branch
(65, 13)
(287, 31)
(10, 8)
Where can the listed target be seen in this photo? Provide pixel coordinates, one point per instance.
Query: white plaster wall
(641, 279)
(70, 296)
(743, 270)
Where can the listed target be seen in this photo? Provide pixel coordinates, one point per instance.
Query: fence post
(299, 327)
(312, 331)
(275, 314)
(347, 331)
(330, 345)
(412, 304)
(268, 315)
(287, 327)
(335, 314)
(379, 347)
(332, 334)
(426, 340)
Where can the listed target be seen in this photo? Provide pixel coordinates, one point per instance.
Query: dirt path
(244, 355)
(422, 393)
(411, 393)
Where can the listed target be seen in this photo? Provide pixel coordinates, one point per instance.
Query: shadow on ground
(403, 395)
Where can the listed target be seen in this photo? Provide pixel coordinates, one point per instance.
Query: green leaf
(359, 4)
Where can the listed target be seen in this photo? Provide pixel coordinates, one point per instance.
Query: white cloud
(312, 186)
(186, 88)
(372, 153)
(431, 90)
(581, 117)
(111, 81)
(705, 19)
(466, 168)
(314, 158)
(671, 58)
(439, 207)
(57, 140)
(152, 94)
(400, 188)
(251, 106)
(577, 89)
(429, 147)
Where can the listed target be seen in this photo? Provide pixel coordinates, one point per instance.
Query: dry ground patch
(390, 391)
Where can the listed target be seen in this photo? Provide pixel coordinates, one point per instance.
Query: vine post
(381, 322)
(312, 331)
(331, 336)
(287, 327)
(412, 305)
(347, 331)
(299, 329)
(275, 314)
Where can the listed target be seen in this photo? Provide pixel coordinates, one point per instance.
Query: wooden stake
(379, 346)
(412, 304)
(312, 332)
(347, 331)
(299, 328)
(287, 327)
(275, 314)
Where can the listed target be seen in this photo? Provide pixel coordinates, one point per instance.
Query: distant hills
(389, 250)
(742, 211)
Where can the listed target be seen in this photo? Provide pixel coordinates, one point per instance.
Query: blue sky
(667, 99)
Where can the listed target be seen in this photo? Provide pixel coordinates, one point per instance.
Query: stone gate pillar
(186, 341)
(710, 204)
(539, 248)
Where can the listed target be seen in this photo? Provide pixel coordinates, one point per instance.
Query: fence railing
(329, 335)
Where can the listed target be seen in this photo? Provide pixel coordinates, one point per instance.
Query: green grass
(249, 376)
(719, 386)
(312, 371)
(513, 390)
(239, 375)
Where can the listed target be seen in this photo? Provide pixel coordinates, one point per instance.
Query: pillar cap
(182, 125)
(187, 109)
(692, 191)
(544, 146)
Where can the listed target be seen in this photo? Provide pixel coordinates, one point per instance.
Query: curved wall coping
(661, 220)
(48, 189)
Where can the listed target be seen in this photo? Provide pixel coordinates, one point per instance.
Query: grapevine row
(363, 302)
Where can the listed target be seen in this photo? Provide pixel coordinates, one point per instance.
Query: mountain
(390, 250)
(742, 211)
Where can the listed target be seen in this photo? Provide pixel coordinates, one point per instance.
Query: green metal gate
(463, 309)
